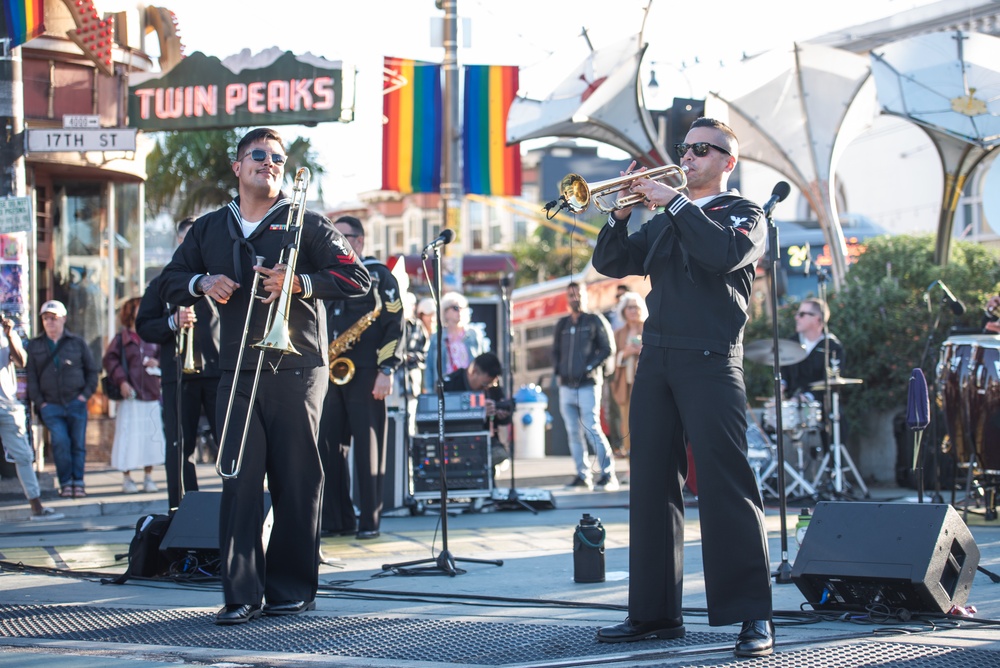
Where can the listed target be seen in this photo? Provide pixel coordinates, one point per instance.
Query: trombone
(577, 193)
(276, 335)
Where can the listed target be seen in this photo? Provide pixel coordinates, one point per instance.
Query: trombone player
(189, 387)
(275, 399)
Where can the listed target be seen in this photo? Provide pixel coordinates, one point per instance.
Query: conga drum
(952, 372)
(982, 403)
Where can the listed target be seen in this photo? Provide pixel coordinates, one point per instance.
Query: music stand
(445, 562)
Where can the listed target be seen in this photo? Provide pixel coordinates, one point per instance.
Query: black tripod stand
(445, 562)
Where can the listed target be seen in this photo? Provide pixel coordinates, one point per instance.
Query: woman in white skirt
(139, 442)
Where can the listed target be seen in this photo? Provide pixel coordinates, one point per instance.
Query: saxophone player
(355, 403)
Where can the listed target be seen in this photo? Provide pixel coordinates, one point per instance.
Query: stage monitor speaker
(195, 525)
(919, 557)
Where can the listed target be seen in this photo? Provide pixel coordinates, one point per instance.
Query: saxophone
(342, 368)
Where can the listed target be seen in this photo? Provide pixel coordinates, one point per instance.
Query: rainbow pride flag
(22, 20)
(490, 166)
(411, 130)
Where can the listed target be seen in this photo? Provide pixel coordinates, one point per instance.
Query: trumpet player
(189, 360)
(219, 259)
(354, 409)
(700, 254)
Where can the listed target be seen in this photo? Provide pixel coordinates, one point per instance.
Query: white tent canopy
(795, 111)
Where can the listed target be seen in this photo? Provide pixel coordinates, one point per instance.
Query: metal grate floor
(401, 639)
(862, 655)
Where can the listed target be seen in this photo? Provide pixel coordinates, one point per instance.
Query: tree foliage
(885, 321)
(542, 258)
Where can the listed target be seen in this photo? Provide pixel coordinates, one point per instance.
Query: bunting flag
(411, 131)
(21, 20)
(490, 166)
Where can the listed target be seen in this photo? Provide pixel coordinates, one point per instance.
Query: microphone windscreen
(918, 409)
(781, 189)
(447, 234)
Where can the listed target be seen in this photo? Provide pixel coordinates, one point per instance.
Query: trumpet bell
(341, 371)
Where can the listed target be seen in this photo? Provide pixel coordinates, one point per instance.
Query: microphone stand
(445, 562)
(513, 500)
(784, 573)
(919, 470)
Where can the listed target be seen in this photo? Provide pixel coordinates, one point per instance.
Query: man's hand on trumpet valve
(218, 287)
(272, 280)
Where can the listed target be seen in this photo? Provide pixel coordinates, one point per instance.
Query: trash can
(530, 420)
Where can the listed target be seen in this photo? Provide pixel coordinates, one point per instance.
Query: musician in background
(171, 327)
(356, 409)
(483, 375)
(810, 329)
(217, 259)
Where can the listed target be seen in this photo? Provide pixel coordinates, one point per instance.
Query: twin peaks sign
(270, 88)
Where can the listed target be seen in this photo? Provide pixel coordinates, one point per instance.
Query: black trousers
(703, 394)
(281, 443)
(197, 394)
(351, 411)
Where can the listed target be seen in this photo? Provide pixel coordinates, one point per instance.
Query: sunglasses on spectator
(802, 314)
(700, 149)
(260, 155)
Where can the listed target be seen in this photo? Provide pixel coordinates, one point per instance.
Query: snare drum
(796, 414)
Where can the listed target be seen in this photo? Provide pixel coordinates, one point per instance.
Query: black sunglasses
(700, 149)
(260, 155)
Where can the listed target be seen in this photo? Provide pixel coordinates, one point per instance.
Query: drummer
(810, 329)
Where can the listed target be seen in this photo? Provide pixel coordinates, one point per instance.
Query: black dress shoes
(756, 638)
(288, 607)
(629, 631)
(237, 613)
(363, 535)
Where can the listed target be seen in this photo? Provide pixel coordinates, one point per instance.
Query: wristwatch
(386, 370)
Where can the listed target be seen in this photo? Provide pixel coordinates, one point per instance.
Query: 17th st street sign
(270, 88)
(81, 139)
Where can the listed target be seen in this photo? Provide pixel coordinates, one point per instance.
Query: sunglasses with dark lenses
(700, 149)
(260, 155)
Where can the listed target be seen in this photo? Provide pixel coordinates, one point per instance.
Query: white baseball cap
(54, 306)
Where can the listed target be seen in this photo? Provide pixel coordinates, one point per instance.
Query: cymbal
(836, 381)
(762, 352)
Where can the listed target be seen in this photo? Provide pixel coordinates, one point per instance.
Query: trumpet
(577, 193)
(187, 345)
(276, 336)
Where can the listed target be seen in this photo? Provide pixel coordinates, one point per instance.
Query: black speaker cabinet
(195, 525)
(920, 557)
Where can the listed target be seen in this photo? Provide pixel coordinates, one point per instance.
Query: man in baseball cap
(54, 306)
(62, 374)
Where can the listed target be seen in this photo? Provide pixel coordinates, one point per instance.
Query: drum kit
(801, 423)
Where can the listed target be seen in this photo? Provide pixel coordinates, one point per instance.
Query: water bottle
(588, 550)
(802, 525)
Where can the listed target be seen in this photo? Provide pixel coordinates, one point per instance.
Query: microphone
(443, 239)
(779, 194)
(957, 307)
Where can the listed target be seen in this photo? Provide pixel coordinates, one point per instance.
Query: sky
(690, 46)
